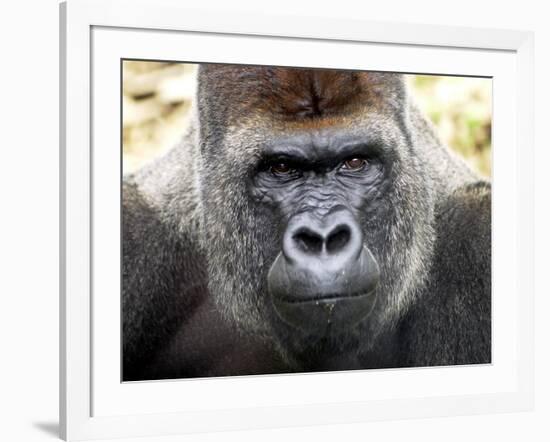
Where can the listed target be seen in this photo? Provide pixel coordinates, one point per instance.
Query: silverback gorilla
(309, 220)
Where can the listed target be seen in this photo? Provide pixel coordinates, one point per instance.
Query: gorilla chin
(324, 279)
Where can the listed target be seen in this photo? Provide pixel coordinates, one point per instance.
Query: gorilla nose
(335, 238)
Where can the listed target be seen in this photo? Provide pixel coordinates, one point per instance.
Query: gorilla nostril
(338, 239)
(308, 241)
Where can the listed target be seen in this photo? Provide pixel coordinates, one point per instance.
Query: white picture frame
(91, 404)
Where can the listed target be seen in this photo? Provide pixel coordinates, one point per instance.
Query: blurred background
(157, 97)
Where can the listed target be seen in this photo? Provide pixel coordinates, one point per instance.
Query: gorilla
(309, 220)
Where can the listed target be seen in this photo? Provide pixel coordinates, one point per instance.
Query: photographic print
(296, 220)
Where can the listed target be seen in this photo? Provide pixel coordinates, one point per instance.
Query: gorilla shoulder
(464, 230)
(451, 322)
(163, 279)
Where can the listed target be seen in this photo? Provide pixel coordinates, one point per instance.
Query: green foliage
(460, 108)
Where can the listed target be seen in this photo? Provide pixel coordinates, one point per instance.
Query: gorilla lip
(325, 298)
(314, 315)
(296, 284)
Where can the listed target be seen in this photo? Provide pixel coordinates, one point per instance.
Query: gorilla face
(316, 228)
(324, 276)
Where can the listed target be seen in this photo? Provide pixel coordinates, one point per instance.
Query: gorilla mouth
(313, 297)
(328, 297)
(316, 316)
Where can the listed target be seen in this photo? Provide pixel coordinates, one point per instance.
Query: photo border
(76, 377)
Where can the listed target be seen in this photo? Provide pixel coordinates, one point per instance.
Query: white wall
(28, 219)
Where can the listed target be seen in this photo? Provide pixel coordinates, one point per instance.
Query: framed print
(285, 221)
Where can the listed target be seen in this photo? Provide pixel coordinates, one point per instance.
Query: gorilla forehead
(294, 94)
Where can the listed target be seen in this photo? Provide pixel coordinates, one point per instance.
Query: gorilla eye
(281, 169)
(354, 164)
